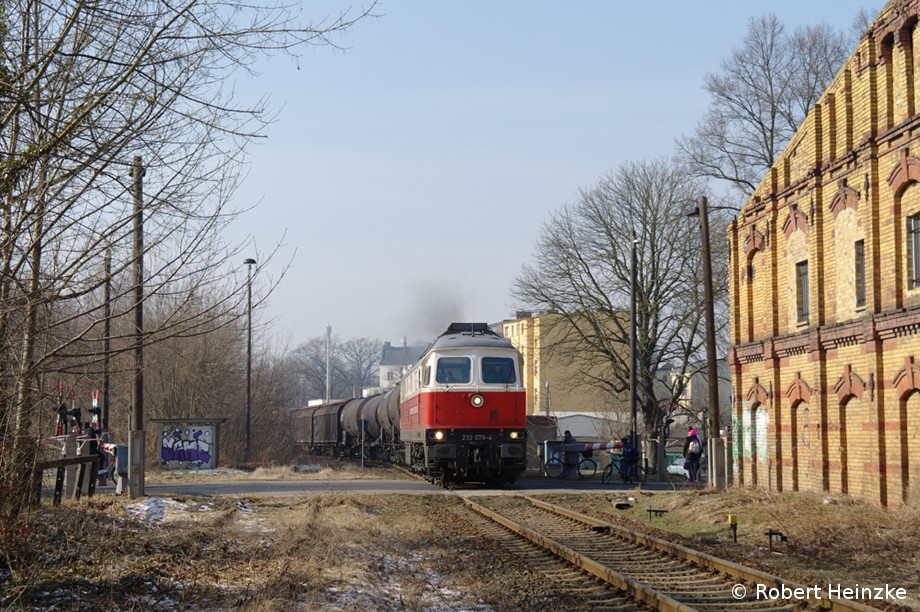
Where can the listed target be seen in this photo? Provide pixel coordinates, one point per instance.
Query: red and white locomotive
(457, 416)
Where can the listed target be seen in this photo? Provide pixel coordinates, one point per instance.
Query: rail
(700, 558)
(665, 576)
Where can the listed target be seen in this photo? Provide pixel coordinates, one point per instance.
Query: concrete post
(136, 464)
(717, 463)
(660, 458)
(86, 468)
(729, 461)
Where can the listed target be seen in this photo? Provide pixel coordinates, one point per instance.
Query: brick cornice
(788, 346)
(749, 353)
(901, 323)
(885, 326)
(846, 334)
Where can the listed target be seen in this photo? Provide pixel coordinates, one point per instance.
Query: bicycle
(636, 473)
(587, 468)
(555, 468)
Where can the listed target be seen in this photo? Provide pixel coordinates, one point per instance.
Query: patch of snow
(309, 468)
(155, 509)
(151, 602)
(249, 521)
(183, 473)
(392, 579)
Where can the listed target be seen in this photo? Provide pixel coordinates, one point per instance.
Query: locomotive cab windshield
(453, 370)
(498, 371)
(492, 370)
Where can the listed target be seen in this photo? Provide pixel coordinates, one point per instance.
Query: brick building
(825, 287)
(554, 385)
(556, 388)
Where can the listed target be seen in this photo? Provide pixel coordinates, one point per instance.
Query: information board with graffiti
(189, 444)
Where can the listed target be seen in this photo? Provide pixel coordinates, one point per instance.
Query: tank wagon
(458, 415)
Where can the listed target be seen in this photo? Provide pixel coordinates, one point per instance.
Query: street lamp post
(716, 444)
(633, 348)
(248, 262)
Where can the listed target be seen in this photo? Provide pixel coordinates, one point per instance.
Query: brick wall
(833, 404)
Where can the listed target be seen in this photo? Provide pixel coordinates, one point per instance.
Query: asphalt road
(282, 488)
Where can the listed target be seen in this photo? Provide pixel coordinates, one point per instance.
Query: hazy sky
(408, 177)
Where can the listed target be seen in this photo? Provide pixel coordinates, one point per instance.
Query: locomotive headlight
(477, 400)
(517, 435)
(438, 436)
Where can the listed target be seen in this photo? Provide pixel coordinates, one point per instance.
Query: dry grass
(335, 552)
(394, 552)
(219, 553)
(316, 469)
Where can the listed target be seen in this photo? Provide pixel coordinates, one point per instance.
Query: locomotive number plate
(476, 437)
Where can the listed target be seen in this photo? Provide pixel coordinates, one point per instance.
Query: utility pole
(136, 440)
(633, 349)
(249, 262)
(328, 362)
(716, 444)
(107, 342)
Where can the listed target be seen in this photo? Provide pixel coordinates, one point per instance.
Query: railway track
(624, 569)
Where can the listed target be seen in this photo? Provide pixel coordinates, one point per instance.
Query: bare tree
(87, 88)
(759, 98)
(353, 367)
(862, 21)
(273, 440)
(360, 359)
(582, 272)
(307, 370)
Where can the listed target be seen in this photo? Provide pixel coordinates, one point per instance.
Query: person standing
(571, 456)
(627, 459)
(693, 450)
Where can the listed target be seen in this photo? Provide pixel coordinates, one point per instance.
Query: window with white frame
(859, 257)
(801, 292)
(913, 251)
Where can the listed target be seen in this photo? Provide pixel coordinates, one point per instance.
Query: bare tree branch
(761, 95)
(86, 87)
(581, 273)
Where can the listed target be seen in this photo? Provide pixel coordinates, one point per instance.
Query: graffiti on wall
(187, 446)
(760, 431)
(751, 433)
(738, 443)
